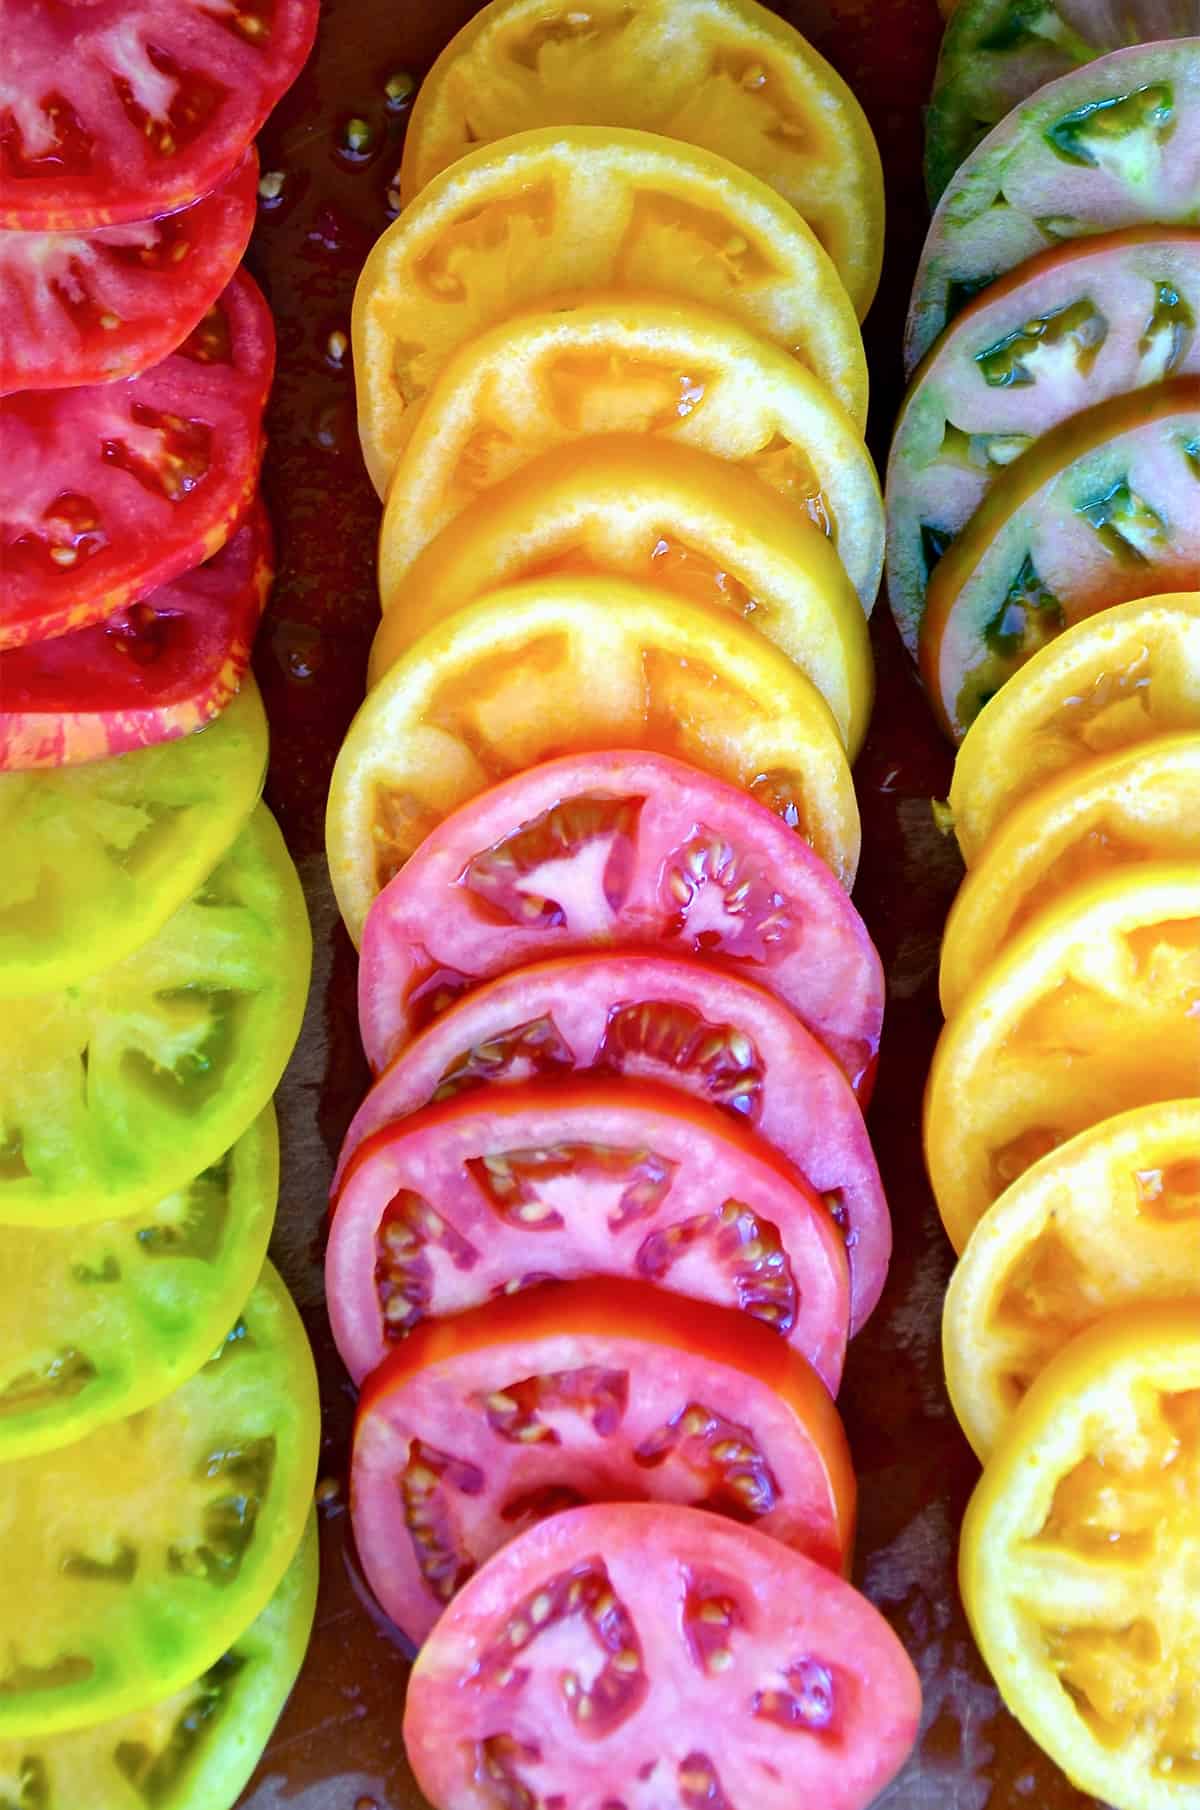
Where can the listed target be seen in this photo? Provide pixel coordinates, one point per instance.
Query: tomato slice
(480, 1426)
(108, 491)
(661, 514)
(123, 112)
(1090, 1011)
(147, 1548)
(1110, 1219)
(1115, 143)
(97, 858)
(632, 364)
(629, 849)
(1081, 322)
(499, 1191)
(728, 75)
(91, 307)
(1105, 815)
(684, 1023)
(157, 669)
(582, 208)
(194, 1750)
(101, 1320)
(559, 665)
(614, 1652)
(1078, 1559)
(120, 1089)
(1102, 511)
(1112, 681)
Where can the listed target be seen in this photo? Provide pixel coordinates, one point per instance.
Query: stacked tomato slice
(605, 1222)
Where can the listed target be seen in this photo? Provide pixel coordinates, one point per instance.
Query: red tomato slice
(512, 1186)
(681, 1022)
(115, 111)
(108, 491)
(90, 307)
(478, 1427)
(645, 1655)
(626, 848)
(156, 670)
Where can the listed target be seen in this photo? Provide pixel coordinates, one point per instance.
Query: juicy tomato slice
(496, 1192)
(565, 664)
(1093, 318)
(1078, 1558)
(480, 1426)
(108, 491)
(1113, 681)
(94, 306)
(613, 1652)
(1107, 1220)
(98, 857)
(684, 1023)
(659, 514)
(101, 1320)
(1091, 1010)
(628, 849)
(148, 1547)
(729, 75)
(1113, 812)
(157, 669)
(632, 364)
(122, 112)
(1115, 143)
(117, 1091)
(581, 208)
(195, 1749)
(1102, 511)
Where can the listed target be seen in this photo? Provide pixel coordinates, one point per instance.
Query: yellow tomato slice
(1080, 1554)
(1094, 1008)
(726, 74)
(1109, 682)
(605, 364)
(570, 665)
(577, 207)
(1139, 804)
(1110, 1219)
(663, 515)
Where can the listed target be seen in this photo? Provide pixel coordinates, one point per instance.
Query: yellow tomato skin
(1109, 682)
(663, 515)
(1078, 1555)
(1140, 804)
(1110, 1219)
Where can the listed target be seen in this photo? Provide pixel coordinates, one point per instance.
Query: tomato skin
(444, 1210)
(598, 1012)
(681, 1716)
(659, 1356)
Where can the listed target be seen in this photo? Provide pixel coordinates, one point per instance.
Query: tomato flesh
(649, 1654)
(682, 1023)
(494, 1192)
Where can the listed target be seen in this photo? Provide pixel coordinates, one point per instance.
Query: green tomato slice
(194, 1750)
(100, 1320)
(118, 1090)
(96, 858)
(135, 1557)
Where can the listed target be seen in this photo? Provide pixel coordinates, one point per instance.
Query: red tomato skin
(151, 281)
(674, 1714)
(817, 956)
(161, 669)
(803, 1105)
(686, 1159)
(109, 450)
(659, 1356)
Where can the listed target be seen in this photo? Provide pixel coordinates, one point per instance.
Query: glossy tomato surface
(478, 1427)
